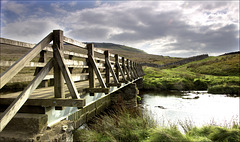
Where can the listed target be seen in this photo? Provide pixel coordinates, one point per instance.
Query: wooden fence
(90, 64)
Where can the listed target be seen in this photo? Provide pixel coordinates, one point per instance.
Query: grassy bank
(215, 74)
(126, 126)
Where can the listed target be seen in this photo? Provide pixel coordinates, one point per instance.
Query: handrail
(125, 70)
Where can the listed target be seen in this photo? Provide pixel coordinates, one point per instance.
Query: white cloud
(165, 28)
(12, 6)
(32, 30)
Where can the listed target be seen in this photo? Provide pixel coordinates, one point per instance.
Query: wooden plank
(58, 76)
(66, 73)
(48, 102)
(74, 42)
(16, 43)
(114, 84)
(18, 65)
(75, 54)
(9, 113)
(112, 72)
(98, 51)
(97, 90)
(29, 64)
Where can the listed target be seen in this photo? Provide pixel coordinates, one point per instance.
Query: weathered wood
(99, 76)
(66, 73)
(58, 77)
(16, 43)
(116, 66)
(42, 59)
(74, 42)
(48, 102)
(112, 72)
(9, 113)
(123, 63)
(121, 71)
(125, 69)
(114, 84)
(132, 69)
(106, 66)
(18, 65)
(136, 70)
(29, 64)
(97, 90)
(70, 68)
(90, 67)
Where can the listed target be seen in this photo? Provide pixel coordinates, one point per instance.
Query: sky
(170, 28)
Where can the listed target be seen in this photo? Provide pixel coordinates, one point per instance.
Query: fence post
(117, 69)
(42, 59)
(106, 53)
(123, 69)
(58, 77)
(129, 70)
(90, 48)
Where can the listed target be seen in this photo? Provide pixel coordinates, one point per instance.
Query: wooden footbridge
(78, 86)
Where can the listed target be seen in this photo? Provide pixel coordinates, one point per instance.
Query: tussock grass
(122, 125)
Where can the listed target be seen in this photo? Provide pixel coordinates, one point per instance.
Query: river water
(171, 108)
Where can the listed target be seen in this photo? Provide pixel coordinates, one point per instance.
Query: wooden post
(106, 53)
(116, 66)
(123, 62)
(136, 69)
(58, 77)
(133, 73)
(129, 69)
(42, 59)
(70, 68)
(90, 48)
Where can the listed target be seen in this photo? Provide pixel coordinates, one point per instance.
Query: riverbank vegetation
(215, 74)
(122, 125)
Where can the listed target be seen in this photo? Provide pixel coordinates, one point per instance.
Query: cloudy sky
(169, 28)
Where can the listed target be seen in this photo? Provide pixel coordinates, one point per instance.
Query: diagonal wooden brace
(97, 72)
(9, 113)
(112, 72)
(121, 71)
(66, 74)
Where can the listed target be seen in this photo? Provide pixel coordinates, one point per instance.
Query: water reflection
(198, 107)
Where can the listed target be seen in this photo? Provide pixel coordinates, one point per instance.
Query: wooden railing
(88, 63)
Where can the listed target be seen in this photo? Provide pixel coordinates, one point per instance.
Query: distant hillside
(178, 62)
(226, 65)
(135, 54)
(117, 47)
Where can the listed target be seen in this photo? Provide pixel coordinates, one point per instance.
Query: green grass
(227, 65)
(219, 75)
(132, 126)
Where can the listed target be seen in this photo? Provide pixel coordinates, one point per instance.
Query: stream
(196, 107)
